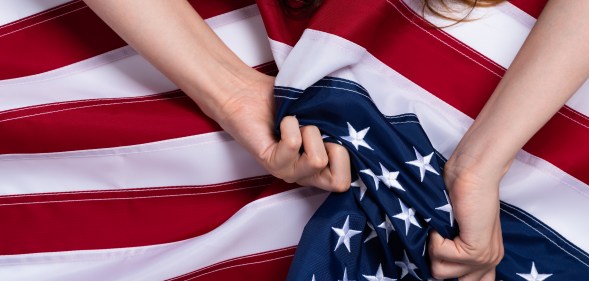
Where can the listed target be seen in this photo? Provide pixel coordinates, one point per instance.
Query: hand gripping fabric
(378, 229)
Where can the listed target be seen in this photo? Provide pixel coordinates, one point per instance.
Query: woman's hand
(174, 38)
(472, 255)
(548, 69)
(248, 115)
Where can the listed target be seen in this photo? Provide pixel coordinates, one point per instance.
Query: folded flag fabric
(109, 172)
(378, 230)
(397, 198)
(349, 53)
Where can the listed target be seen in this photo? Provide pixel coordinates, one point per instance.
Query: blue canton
(378, 230)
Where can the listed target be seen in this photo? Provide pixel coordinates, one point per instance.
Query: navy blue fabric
(416, 203)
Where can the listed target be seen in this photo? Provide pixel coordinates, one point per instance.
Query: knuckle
(339, 185)
(309, 129)
(498, 257)
(437, 270)
(292, 143)
(318, 161)
(481, 259)
(282, 174)
(485, 257)
(289, 179)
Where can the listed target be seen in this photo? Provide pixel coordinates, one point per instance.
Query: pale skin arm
(549, 68)
(174, 38)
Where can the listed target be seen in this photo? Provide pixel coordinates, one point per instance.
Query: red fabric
(70, 33)
(532, 7)
(123, 218)
(440, 64)
(271, 265)
(103, 123)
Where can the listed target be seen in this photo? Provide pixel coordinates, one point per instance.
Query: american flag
(375, 224)
(108, 172)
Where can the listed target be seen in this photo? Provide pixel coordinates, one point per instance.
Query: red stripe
(123, 218)
(101, 123)
(272, 265)
(210, 8)
(70, 33)
(453, 72)
(531, 7)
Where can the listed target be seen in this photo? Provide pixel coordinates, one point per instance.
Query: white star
(313, 279)
(447, 208)
(372, 233)
(345, 233)
(379, 276)
(407, 215)
(389, 178)
(359, 183)
(374, 177)
(423, 164)
(407, 267)
(387, 226)
(345, 278)
(357, 138)
(533, 275)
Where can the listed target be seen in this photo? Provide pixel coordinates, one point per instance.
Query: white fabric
(498, 33)
(124, 73)
(13, 10)
(138, 166)
(251, 230)
(531, 184)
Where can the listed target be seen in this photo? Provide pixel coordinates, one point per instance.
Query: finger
(314, 158)
(286, 151)
(336, 176)
(490, 276)
(456, 251)
(446, 270)
(480, 275)
(441, 248)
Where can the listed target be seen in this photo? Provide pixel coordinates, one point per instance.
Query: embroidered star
(359, 183)
(372, 233)
(447, 208)
(345, 278)
(423, 164)
(407, 215)
(344, 234)
(534, 275)
(374, 177)
(387, 226)
(357, 138)
(407, 267)
(379, 276)
(313, 279)
(390, 178)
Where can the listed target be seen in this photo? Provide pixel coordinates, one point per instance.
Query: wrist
(218, 84)
(480, 157)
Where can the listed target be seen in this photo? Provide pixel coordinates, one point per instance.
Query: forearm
(173, 37)
(550, 67)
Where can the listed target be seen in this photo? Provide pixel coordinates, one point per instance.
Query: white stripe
(195, 160)
(532, 183)
(250, 231)
(13, 10)
(498, 33)
(123, 73)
